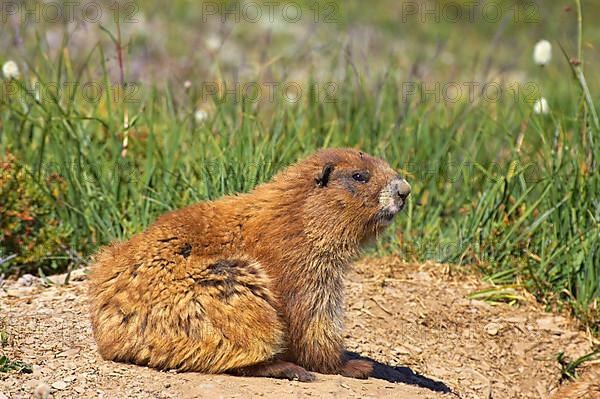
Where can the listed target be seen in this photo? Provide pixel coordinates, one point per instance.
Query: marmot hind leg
(217, 316)
(276, 369)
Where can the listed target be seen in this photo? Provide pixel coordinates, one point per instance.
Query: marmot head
(350, 196)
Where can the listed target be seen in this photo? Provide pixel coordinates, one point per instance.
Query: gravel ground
(430, 340)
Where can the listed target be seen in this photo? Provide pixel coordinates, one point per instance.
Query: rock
(400, 350)
(422, 276)
(28, 280)
(20, 292)
(551, 323)
(492, 328)
(60, 385)
(57, 279)
(69, 352)
(76, 275)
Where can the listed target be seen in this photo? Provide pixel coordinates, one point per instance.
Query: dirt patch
(430, 340)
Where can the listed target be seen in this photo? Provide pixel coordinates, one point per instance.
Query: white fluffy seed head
(541, 107)
(200, 116)
(213, 42)
(10, 70)
(542, 52)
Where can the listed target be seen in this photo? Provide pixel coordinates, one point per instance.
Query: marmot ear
(323, 178)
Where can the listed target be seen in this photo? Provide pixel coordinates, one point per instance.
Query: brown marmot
(586, 387)
(250, 284)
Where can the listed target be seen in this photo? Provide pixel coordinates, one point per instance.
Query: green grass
(569, 368)
(7, 365)
(495, 186)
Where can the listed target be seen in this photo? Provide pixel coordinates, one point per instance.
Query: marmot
(250, 284)
(586, 387)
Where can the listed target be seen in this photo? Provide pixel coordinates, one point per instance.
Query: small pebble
(60, 385)
(492, 328)
(27, 280)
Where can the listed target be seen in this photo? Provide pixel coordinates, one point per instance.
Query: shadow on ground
(402, 374)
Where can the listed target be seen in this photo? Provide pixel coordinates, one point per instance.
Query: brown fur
(250, 284)
(586, 387)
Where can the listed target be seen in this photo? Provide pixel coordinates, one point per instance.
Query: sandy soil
(430, 340)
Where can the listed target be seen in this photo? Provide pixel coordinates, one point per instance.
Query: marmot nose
(402, 189)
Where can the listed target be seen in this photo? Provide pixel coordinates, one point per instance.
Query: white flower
(542, 52)
(187, 84)
(200, 115)
(213, 42)
(541, 107)
(10, 70)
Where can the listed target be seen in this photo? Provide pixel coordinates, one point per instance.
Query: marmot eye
(360, 177)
